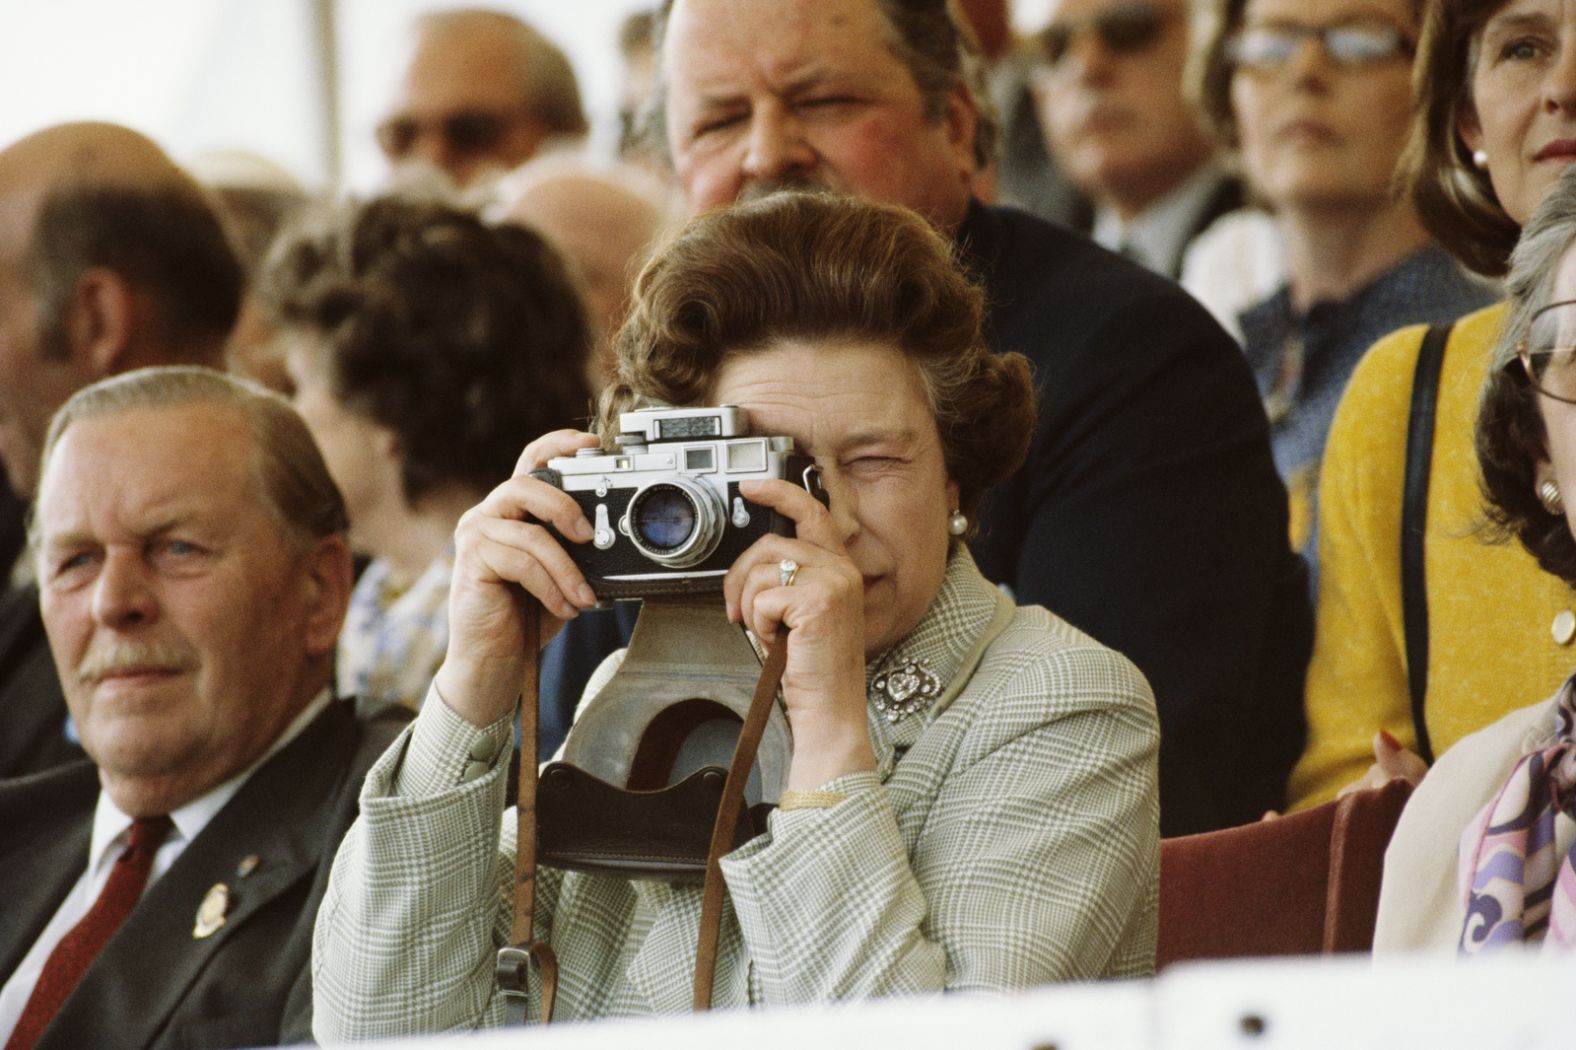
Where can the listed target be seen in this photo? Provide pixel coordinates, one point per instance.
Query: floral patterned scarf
(1521, 890)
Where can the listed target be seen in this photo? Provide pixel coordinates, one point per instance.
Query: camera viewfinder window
(746, 455)
(699, 460)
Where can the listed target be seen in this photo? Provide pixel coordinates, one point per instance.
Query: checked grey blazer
(1008, 838)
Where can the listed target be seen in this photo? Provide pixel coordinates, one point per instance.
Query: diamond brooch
(905, 689)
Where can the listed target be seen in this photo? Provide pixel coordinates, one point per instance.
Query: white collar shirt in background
(1157, 236)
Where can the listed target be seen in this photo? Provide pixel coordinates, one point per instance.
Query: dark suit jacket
(1149, 512)
(32, 709)
(155, 985)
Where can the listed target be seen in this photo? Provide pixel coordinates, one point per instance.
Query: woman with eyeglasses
(1426, 637)
(1315, 96)
(1483, 856)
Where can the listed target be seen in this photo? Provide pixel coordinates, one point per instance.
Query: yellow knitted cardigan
(1490, 608)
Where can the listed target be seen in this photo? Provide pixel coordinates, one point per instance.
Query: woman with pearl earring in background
(1495, 126)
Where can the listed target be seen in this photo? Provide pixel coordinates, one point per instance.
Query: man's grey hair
(930, 37)
(1534, 265)
(549, 83)
(292, 478)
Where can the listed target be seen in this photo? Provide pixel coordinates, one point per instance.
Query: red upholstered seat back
(1305, 884)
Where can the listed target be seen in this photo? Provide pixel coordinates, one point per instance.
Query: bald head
(604, 221)
(88, 152)
(111, 258)
(482, 91)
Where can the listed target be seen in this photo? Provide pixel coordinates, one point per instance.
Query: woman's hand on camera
(503, 548)
(823, 611)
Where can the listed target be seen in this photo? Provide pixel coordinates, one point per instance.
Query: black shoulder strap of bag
(1414, 521)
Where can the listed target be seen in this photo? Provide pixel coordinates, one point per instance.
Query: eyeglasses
(1125, 30)
(1548, 351)
(1348, 44)
(466, 131)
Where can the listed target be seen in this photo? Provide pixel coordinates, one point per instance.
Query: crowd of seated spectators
(1221, 488)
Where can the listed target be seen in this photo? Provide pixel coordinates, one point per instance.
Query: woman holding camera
(999, 836)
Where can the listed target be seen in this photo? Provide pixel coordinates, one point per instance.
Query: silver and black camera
(665, 508)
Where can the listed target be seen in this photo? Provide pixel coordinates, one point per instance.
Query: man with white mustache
(193, 575)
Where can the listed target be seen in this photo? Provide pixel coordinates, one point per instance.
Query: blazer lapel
(48, 820)
(264, 841)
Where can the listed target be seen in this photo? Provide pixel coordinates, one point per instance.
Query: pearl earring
(1480, 159)
(957, 523)
(1549, 496)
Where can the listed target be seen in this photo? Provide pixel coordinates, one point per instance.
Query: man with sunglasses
(1149, 512)
(482, 93)
(1108, 89)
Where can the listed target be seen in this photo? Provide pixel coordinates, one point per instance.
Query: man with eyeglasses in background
(482, 92)
(1108, 89)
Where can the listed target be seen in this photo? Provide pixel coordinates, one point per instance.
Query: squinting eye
(69, 566)
(715, 124)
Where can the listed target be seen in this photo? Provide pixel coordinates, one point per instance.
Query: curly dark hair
(1510, 436)
(464, 339)
(814, 267)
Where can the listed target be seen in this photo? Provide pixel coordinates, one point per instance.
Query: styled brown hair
(814, 267)
(1510, 436)
(1455, 200)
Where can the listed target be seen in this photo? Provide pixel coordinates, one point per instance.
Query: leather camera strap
(728, 810)
(514, 961)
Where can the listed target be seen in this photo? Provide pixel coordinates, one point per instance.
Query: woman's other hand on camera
(821, 607)
(503, 544)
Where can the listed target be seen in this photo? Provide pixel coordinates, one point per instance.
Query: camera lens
(664, 518)
(676, 523)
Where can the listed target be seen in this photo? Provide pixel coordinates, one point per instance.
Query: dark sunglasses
(1349, 44)
(1547, 351)
(1125, 30)
(465, 131)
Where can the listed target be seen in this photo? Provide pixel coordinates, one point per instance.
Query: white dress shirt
(1157, 236)
(111, 835)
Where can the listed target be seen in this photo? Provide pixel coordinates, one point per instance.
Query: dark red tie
(78, 948)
